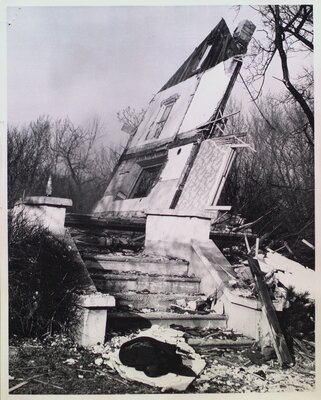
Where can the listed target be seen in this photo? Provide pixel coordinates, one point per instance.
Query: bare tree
(130, 119)
(279, 178)
(73, 148)
(29, 159)
(288, 32)
(80, 167)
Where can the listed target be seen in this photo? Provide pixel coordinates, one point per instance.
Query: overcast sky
(86, 62)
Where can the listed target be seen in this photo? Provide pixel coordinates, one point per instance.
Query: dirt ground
(55, 365)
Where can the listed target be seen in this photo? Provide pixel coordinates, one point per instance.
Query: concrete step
(156, 301)
(148, 265)
(124, 282)
(120, 320)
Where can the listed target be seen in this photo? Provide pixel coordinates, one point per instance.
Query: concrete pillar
(92, 318)
(48, 212)
(170, 232)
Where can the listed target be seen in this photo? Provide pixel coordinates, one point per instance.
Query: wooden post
(279, 343)
(257, 244)
(248, 248)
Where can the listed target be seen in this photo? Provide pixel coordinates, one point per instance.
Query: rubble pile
(231, 371)
(228, 369)
(201, 305)
(207, 333)
(243, 285)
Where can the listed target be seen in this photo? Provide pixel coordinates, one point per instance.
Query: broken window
(146, 181)
(204, 56)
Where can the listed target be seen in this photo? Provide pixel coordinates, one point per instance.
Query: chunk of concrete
(91, 326)
(170, 232)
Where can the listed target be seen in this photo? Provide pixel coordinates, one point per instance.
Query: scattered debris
(228, 369)
(70, 361)
(99, 361)
(293, 274)
(202, 305)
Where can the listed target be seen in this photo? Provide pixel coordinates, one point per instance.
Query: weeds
(42, 281)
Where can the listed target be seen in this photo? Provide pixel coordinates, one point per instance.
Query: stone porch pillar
(170, 232)
(48, 212)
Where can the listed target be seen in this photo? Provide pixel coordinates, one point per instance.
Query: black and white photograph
(158, 174)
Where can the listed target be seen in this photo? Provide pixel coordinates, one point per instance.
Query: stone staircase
(145, 287)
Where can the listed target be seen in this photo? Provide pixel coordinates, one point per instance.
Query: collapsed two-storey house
(178, 158)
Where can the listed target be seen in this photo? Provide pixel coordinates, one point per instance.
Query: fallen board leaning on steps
(279, 343)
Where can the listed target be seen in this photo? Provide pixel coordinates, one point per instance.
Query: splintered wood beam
(278, 339)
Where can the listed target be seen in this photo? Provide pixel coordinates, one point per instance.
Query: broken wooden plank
(19, 385)
(138, 238)
(247, 244)
(308, 244)
(288, 248)
(278, 339)
(25, 382)
(48, 383)
(250, 224)
(303, 350)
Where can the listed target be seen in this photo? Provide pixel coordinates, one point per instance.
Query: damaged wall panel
(212, 86)
(177, 158)
(203, 176)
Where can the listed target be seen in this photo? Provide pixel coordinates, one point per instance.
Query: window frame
(206, 53)
(158, 124)
(137, 181)
(221, 179)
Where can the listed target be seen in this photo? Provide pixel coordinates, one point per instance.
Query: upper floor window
(162, 121)
(166, 108)
(204, 56)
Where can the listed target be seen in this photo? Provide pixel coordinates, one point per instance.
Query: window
(166, 107)
(146, 181)
(222, 176)
(160, 124)
(204, 56)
